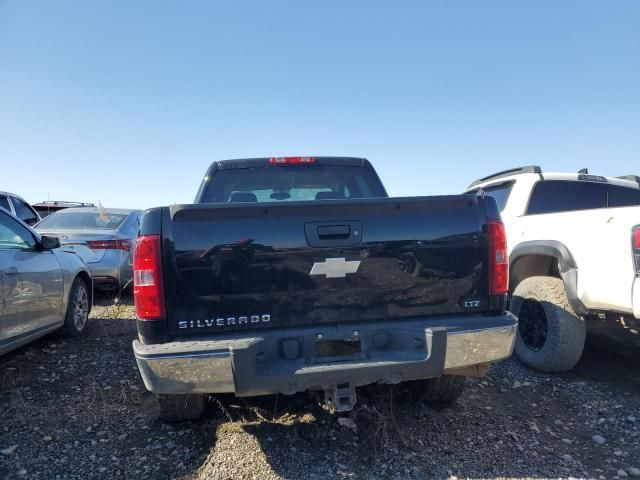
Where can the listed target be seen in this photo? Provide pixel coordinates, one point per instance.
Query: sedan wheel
(78, 308)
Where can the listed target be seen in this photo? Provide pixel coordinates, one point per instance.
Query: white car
(574, 254)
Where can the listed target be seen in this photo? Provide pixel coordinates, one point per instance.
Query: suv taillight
(148, 293)
(498, 261)
(635, 245)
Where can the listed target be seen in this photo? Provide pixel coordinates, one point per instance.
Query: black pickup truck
(299, 273)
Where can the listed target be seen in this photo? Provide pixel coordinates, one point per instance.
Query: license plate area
(336, 350)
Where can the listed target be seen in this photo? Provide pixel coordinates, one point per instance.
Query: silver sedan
(43, 287)
(103, 237)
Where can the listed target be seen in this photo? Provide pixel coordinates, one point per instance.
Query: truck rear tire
(181, 408)
(443, 391)
(438, 392)
(551, 335)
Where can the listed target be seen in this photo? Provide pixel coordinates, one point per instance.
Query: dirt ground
(77, 409)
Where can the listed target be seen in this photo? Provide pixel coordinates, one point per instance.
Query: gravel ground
(77, 408)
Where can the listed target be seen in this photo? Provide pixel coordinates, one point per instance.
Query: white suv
(574, 253)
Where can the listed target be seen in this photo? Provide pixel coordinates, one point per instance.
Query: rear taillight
(292, 160)
(110, 245)
(498, 261)
(635, 245)
(148, 293)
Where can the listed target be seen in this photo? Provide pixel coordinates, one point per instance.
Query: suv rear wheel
(550, 334)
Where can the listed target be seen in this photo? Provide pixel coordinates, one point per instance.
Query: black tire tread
(566, 331)
(444, 390)
(69, 329)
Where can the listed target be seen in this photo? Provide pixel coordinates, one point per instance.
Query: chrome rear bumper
(392, 352)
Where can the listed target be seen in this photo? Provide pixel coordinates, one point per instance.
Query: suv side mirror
(49, 243)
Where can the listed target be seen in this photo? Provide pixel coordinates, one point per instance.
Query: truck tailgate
(238, 267)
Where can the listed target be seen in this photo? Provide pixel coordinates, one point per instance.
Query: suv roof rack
(506, 173)
(56, 203)
(633, 178)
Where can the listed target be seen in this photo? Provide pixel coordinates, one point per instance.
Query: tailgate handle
(336, 233)
(333, 232)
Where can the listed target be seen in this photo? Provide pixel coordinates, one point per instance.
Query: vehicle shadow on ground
(605, 360)
(515, 423)
(384, 437)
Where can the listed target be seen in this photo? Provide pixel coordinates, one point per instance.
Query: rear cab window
(292, 183)
(499, 191)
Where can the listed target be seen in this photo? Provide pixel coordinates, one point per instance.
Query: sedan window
(83, 220)
(24, 212)
(4, 203)
(13, 235)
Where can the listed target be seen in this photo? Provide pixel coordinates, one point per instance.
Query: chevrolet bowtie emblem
(335, 267)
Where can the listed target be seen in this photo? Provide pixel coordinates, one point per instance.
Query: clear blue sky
(129, 102)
